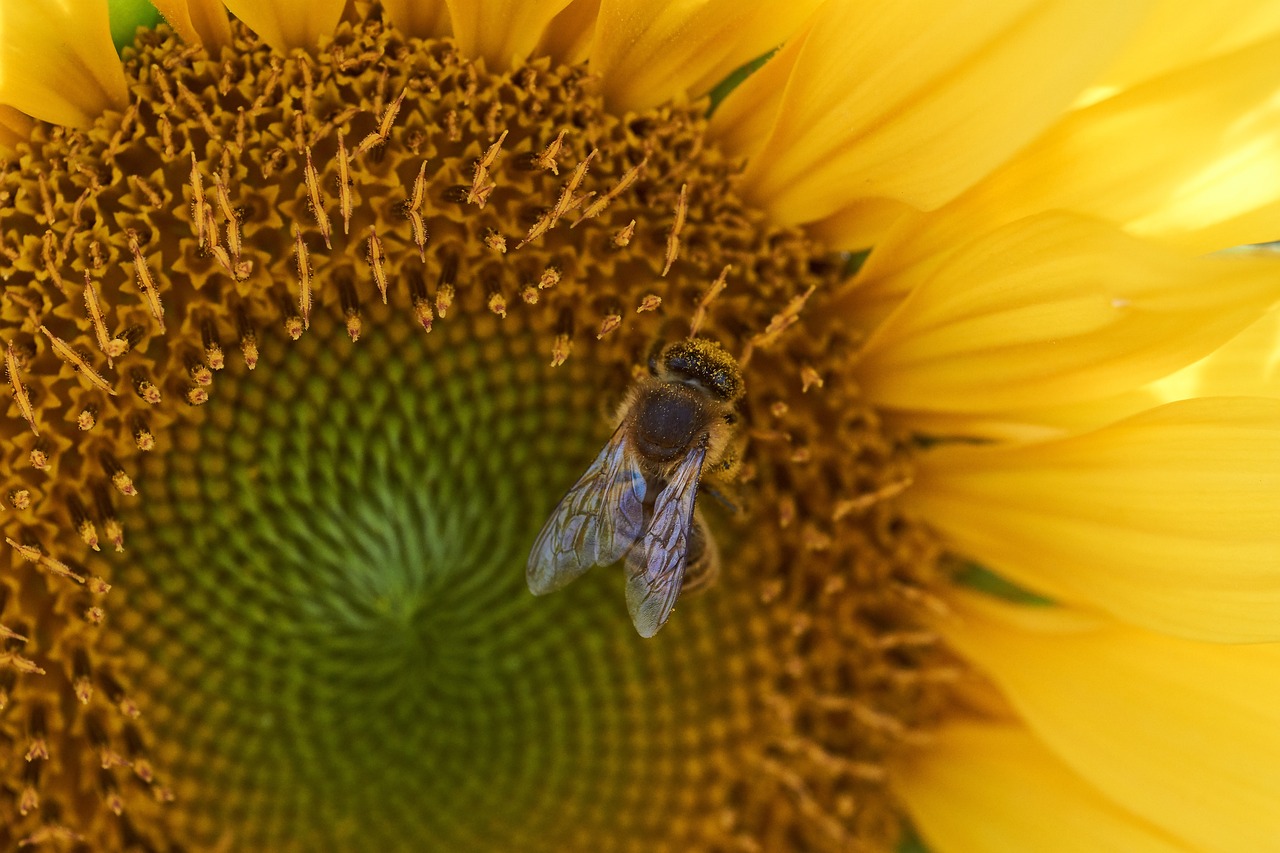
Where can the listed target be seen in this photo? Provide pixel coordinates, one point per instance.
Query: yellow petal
(568, 37)
(1057, 309)
(421, 18)
(289, 24)
(1184, 734)
(1213, 181)
(1166, 520)
(1246, 366)
(502, 32)
(912, 100)
(15, 126)
(990, 788)
(57, 62)
(1177, 34)
(197, 21)
(649, 52)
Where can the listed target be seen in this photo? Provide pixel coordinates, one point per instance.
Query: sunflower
(312, 311)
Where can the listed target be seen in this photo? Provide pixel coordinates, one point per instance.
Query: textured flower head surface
(313, 310)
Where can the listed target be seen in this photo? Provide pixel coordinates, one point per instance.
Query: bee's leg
(721, 498)
(702, 565)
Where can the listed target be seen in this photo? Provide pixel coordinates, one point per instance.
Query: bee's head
(703, 363)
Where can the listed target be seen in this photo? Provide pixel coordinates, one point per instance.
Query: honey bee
(637, 499)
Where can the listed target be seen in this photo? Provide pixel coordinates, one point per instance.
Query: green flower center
(328, 581)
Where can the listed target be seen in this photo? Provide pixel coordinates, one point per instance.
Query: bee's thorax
(667, 418)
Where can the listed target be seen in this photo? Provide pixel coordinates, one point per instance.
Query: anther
(547, 159)
(608, 324)
(97, 316)
(623, 238)
(419, 233)
(673, 236)
(530, 294)
(303, 264)
(77, 362)
(344, 183)
(116, 694)
(143, 438)
(167, 147)
(560, 349)
(146, 283)
(377, 263)
(498, 304)
(20, 499)
(495, 241)
(144, 387)
(550, 278)
(198, 370)
(649, 303)
(700, 313)
(49, 254)
(111, 525)
(124, 341)
(230, 217)
(39, 456)
(20, 395)
(383, 133)
(214, 356)
(195, 395)
(121, 480)
(82, 682)
(37, 731)
(144, 189)
(88, 418)
(810, 378)
(46, 199)
(350, 308)
(597, 207)
(316, 198)
(248, 339)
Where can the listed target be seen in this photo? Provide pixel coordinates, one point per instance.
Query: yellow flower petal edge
(197, 21)
(1180, 732)
(1176, 34)
(15, 126)
(1246, 366)
(289, 24)
(648, 52)
(57, 62)
(1166, 520)
(1213, 182)
(913, 101)
(1056, 308)
(421, 18)
(992, 788)
(503, 32)
(568, 36)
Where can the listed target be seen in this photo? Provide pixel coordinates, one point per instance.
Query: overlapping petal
(911, 101)
(1166, 520)
(57, 62)
(421, 18)
(289, 24)
(1191, 158)
(1056, 309)
(197, 21)
(1179, 732)
(1176, 34)
(502, 32)
(648, 52)
(971, 791)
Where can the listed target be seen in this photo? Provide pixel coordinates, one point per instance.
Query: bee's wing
(595, 522)
(655, 566)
